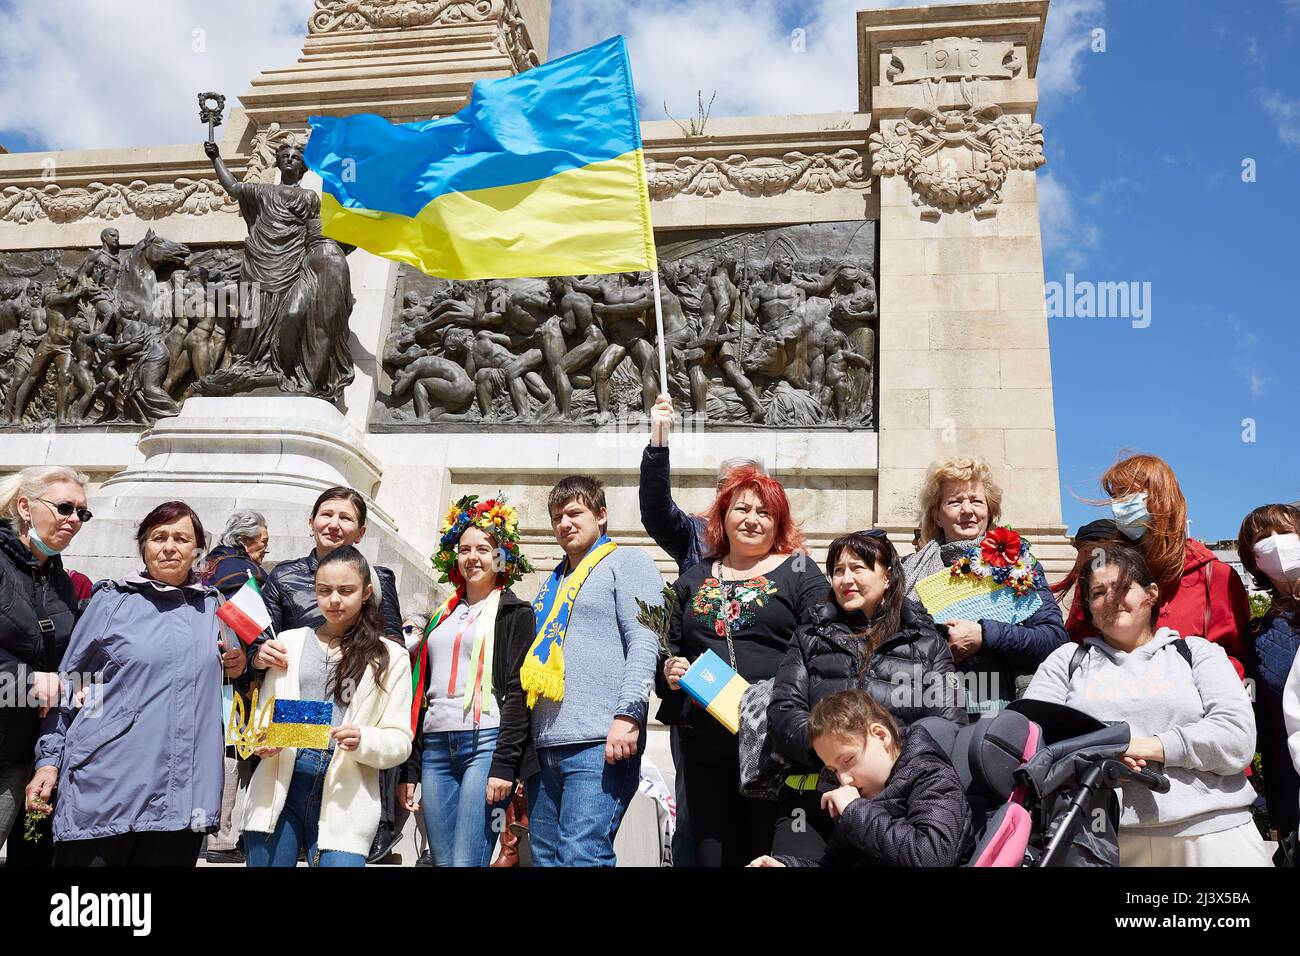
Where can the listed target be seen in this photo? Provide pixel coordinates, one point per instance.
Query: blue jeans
(299, 821)
(576, 803)
(454, 767)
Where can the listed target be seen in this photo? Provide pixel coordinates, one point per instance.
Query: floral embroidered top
(761, 614)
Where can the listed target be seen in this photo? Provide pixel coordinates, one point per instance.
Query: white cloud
(90, 74)
(83, 74)
(1066, 42)
(1063, 233)
(745, 50)
(1255, 53)
(1285, 114)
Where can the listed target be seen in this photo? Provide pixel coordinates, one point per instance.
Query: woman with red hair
(1199, 595)
(743, 602)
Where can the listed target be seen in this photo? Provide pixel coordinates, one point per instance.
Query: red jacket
(1185, 610)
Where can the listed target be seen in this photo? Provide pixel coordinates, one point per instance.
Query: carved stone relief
(955, 156)
(772, 328)
(763, 176)
(952, 57)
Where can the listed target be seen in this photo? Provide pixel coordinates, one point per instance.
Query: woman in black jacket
(868, 637)
(471, 733)
(38, 608)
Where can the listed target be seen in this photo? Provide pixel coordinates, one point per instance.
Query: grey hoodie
(146, 753)
(1201, 714)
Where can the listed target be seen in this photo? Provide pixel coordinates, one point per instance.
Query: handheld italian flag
(246, 613)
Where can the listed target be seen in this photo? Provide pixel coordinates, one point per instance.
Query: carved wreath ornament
(765, 176)
(346, 16)
(956, 158)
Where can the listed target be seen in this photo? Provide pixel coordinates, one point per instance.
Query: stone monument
(848, 296)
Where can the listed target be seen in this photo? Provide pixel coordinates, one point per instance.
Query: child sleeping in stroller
(899, 803)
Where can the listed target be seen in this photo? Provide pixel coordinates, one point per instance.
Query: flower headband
(495, 517)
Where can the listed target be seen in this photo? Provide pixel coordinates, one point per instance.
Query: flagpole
(659, 327)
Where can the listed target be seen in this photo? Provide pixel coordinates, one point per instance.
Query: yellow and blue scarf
(542, 673)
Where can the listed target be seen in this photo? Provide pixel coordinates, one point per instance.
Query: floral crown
(1004, 556)
(499, 520)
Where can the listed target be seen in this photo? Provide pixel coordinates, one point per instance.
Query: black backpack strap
(1184, 650)
(1080, 653)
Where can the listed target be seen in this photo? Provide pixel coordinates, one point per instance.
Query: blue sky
(1145, 144)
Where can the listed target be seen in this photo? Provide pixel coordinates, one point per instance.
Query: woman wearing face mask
(960, 502)
(743, 602)
(326, 801)
(867, 637)
(468, 756)
(1186, 709)
(1269, 547)
(139, 763)
(338, 519)
(1199, 594)
(38, 608)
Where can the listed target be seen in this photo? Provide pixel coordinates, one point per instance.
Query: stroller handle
(1153, 778)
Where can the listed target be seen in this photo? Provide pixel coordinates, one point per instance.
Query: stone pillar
(273, 453)
(964, 362)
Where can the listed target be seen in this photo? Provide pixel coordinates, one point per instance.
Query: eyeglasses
(409, 628)
(67, 509)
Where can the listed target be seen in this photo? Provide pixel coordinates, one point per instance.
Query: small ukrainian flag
(541, 174)
(716, 687)
(300, 723)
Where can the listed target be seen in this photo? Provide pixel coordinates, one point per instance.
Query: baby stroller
(1041, 781)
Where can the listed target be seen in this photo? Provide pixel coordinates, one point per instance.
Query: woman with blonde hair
(960, 502)
(1199, 594)
(43, 508)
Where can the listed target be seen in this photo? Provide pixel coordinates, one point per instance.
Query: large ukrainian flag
(541, 174)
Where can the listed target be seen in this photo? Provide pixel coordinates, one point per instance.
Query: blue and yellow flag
(541, 174)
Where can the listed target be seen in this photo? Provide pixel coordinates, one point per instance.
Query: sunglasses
(67, 509)
(874, 533)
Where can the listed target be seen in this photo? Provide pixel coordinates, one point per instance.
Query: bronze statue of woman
(298, 336)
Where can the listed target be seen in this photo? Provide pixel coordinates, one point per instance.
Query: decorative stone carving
(191, 197)
(263, 147)
(763, 176)
(953, 57)
(512, 38)
(768, 328)
(956, 158)
(350, 16)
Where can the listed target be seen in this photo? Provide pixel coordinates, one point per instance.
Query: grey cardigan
(1201, 714)
(145, 752)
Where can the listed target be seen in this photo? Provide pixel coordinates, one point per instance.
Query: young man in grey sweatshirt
(1185, 707)
(589, 744)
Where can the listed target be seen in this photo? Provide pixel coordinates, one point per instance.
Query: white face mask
(1131, 515)
(1278, 556)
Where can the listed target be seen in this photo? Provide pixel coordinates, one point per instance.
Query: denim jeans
(576, 803)
(462, 828)
(299, 821)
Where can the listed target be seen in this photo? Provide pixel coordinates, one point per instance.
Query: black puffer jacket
(30, 594)
(290, 596)
(911, 674)
(920, 818)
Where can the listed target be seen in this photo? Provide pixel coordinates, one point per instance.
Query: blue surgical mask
(1131, 515)
(40, 545)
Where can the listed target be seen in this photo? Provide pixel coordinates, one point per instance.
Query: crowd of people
(507, 712)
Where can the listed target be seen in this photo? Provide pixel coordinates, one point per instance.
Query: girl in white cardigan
(327, 801)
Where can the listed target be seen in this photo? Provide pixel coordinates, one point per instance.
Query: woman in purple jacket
(139, 765)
